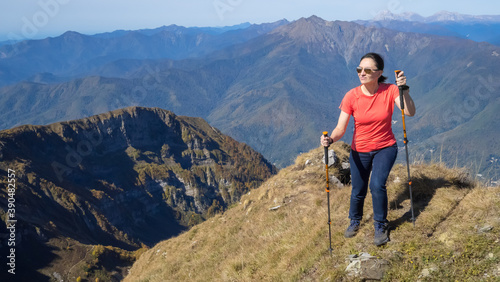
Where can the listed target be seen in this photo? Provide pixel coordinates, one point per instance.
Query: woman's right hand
(325, 141)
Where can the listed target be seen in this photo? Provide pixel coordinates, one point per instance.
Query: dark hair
(379, 63)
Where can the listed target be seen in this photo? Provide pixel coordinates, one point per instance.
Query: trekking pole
(325, 133)
(405, 140)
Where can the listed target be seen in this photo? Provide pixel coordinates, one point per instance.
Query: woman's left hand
(400, 78)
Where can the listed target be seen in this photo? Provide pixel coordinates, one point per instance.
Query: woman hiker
(373, 148)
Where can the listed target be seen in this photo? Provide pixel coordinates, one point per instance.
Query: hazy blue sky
(42, 18)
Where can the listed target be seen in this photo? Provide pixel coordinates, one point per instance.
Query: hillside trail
(69, 270)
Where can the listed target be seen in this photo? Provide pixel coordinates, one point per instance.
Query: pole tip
(325, 133)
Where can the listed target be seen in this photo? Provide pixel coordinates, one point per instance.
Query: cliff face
(125, 178)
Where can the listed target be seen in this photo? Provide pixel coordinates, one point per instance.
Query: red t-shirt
(372, 117)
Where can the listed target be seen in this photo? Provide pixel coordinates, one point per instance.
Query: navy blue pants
(379, 163)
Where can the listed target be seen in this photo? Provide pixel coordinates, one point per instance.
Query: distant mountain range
(477, 28)
(274, 86)
(76, 55)
(443, 16)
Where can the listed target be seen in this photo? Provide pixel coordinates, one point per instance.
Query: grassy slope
(252, 243)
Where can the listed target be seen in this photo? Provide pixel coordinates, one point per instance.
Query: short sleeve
(346, 104)
(394, 90)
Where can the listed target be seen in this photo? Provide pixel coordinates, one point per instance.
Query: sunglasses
(367, 71)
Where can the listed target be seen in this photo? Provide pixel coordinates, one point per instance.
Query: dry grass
(250, 242)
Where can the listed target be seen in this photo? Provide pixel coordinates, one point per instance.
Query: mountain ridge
(126, 179)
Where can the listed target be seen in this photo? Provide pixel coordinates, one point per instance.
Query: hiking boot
(381, 233)
(352, 229)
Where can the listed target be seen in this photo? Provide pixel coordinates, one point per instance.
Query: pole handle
(401, 90)
(325, 134)
(401, 98)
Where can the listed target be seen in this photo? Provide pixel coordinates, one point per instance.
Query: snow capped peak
(442, 16)
(445, 16)
(387, 15)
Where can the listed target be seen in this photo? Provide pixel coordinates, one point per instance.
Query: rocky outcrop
(125, 178)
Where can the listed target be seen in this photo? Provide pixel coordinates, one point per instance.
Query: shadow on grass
(423, 190)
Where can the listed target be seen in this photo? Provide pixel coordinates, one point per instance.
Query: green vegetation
(133, 153)
(105, 260)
